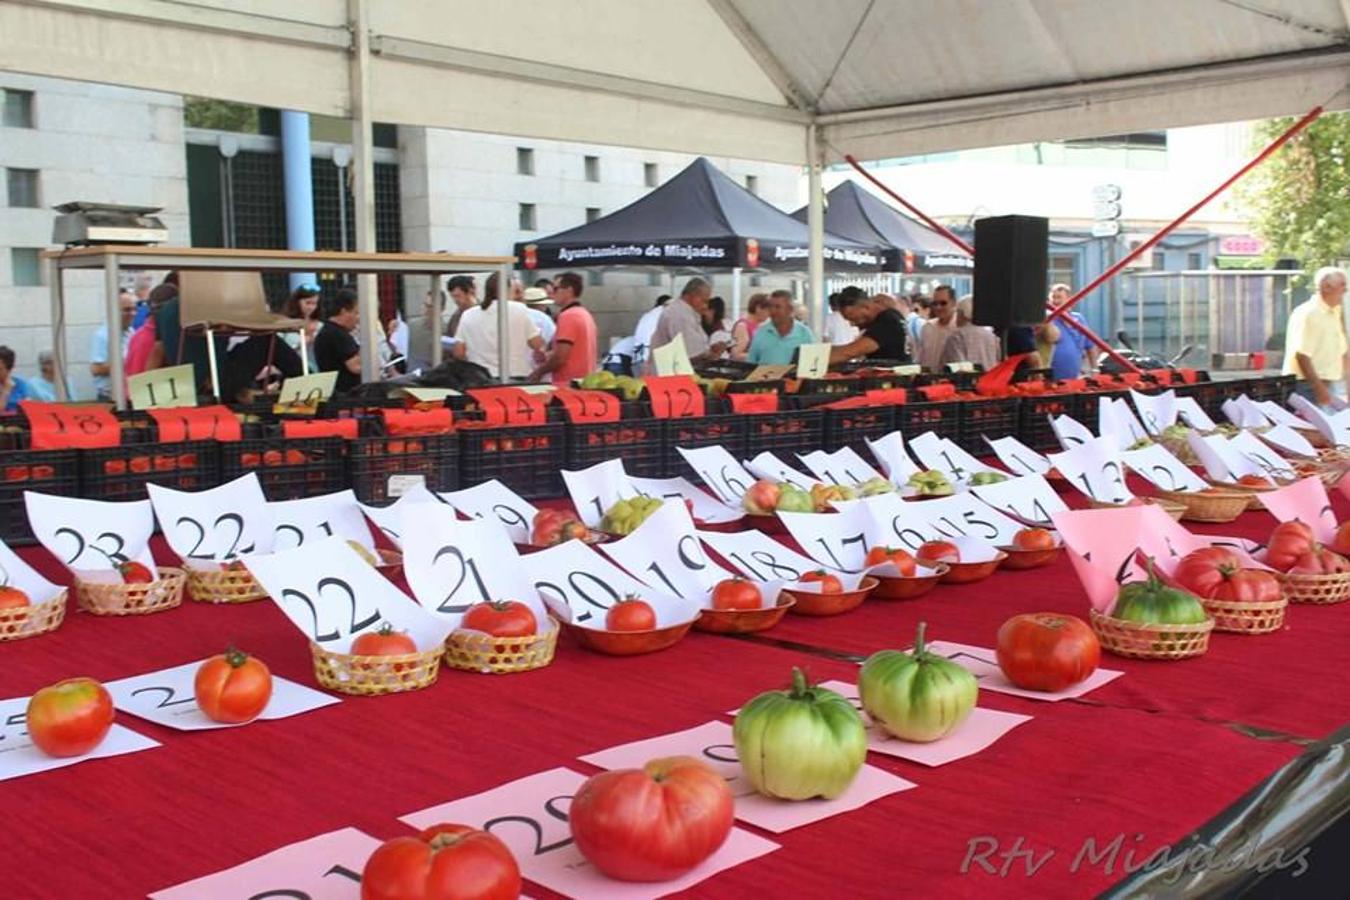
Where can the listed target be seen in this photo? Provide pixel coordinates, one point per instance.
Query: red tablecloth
(1151, 764)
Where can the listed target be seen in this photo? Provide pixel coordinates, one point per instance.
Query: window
(26, 266)
(524, 161)
(651, 175)
(592, 168)
(592, 213)
(527, 217)
(594, 277)
(656, 279)
(1159, 259)
(23, 187)
(18, 108)
(1060, 269)
(1194, 261)
(752, 184)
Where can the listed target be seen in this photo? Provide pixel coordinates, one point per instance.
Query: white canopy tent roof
(794, 81)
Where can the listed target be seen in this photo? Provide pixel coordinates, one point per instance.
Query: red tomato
(736, 593)
(233, 687)
(1034, 539)
(295, 458)
(1248, 586)
(653, 823)
(939, 551)
(13, 598)
(1254, 481)
(1341, 542)
(454, 862)
(383, 642)
(140, 464)
(1202, 571)
(901, 559)
(110, 467)
(135, 573)
(555, 526)
(630, 614)
(69, 718)
(501, 618)
(272, 457)
(1319, 561)
(829, 584)
(1287, 543)
(1047, 651)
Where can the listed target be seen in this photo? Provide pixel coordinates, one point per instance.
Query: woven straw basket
(1247, 618)
(30, 621)
(1254, 493)
(1319, 589)
(1175, 510)
(1148, 641)
(224, 586)
(1219, 506)
(132, 599)
(473, 651)
(370, 676)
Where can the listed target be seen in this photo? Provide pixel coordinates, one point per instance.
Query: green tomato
(916, 696)
(794, 499)
(1154, 603)
(801, 743)
(981, 478)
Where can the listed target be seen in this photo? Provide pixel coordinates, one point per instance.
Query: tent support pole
(435, 324)
(363, 193)
(815, 221)
(112, 272)
(735, 293)
(504, 347)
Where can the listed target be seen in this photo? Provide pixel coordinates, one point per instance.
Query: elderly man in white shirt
(1315, 344)
(683, 316)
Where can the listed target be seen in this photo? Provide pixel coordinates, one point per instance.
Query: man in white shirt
(478, 330)
(535, 300)
(836, 329)
(642, 334)
(1315, 344)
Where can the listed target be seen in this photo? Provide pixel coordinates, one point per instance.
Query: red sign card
(297, 428)
(56, 426)
(754, 403)
(675, 397)
(510, 406)
(196, 423)
(417, 421)
(588, 406)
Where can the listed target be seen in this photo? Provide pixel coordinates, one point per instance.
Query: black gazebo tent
(910, 245)
(700, 219)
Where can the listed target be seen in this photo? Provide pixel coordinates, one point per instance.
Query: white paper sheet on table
(836, 540)
(530, 816)
(1018, 457)
(1156, 411)
(889, 521)
(331, 594)
(707, 509)
(843, 466)
(982, 662)
(1190, 412)
(315, 518)
(1220, 461)
(217, 525)
(451, 564)
(494, 500)
(1243, 413)
(1069, 431)
(1156, 464)
(1115, 420)
(712, 743)
(167, 698)
(327, 867)
(574, 578)
(894, 459)
(1286, 440)
(1268, 462)
(943, 455)
(1334, 428)
(1029, 498)
(20, 757)
(720, 471)
(92, 537)
(769, 467)
(1095, 469)
(1278, 415)
(759, 557)
(595, 489)
(665, 554)
(16, 573)
(964, 515)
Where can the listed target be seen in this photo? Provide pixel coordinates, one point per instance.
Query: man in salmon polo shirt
(573, 354)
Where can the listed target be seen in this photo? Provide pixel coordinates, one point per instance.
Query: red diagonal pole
(1073, 323)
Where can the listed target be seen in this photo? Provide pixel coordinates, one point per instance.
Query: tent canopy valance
(700, 218)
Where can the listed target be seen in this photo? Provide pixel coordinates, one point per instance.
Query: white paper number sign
(665, 554)
(706, 508)
(218, 525)
(843, 466)
(1029, 498)
(327, 867)
(18, 756)
(966, 516)
(1095, 469)
(574, 578)
(1156, 464)
(1156, 412)
(758, 556)
(835, 540)
(452, 564)
(494, 500)
(315, 518)
(894, 458)
(16, 573)
(945, 456)
(92, 537)
(596, 489)
(166, 698)
(1070, 432)
(720, 471)
(1018, 457)
(769, 467)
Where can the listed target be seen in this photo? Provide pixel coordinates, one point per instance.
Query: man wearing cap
(537, 302)
(572, 354)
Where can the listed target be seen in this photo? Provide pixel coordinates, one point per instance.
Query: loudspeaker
(1010, 270)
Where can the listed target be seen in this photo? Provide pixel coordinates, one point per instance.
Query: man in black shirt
(335, 350)
(883, 329)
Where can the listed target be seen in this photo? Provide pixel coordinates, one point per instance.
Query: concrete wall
(94, 143)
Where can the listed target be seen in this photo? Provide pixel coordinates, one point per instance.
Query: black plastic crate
(46, 471)
(1274, 387)
(640, 442)
(1033, 418)
(994, 416)
(288, 468)
(383, 468)
(785, 432)
(718, 429)
(121, 473)
(525, 458)
(853, 427)
(836, 388)
(942, 417)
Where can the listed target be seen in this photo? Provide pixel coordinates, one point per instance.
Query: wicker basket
(1147, 641)
(1209, 506)
(1246, 618)
(1315, 437)
(119, 599)
(1175, 510)
(1181, 449)
(30, 621)
(473, 651)
(1254, 492)
(370, 676)
(224, 586)
(1319, 589)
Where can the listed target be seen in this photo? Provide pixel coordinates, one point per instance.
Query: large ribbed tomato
(1248, 586)
(454, 862)
(1202, 571)
(1320, 561)
(653, 823)
(1287, 543)
(1047, 651)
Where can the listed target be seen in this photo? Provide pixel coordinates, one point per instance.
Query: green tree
(221, 115)
(1301, 195)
